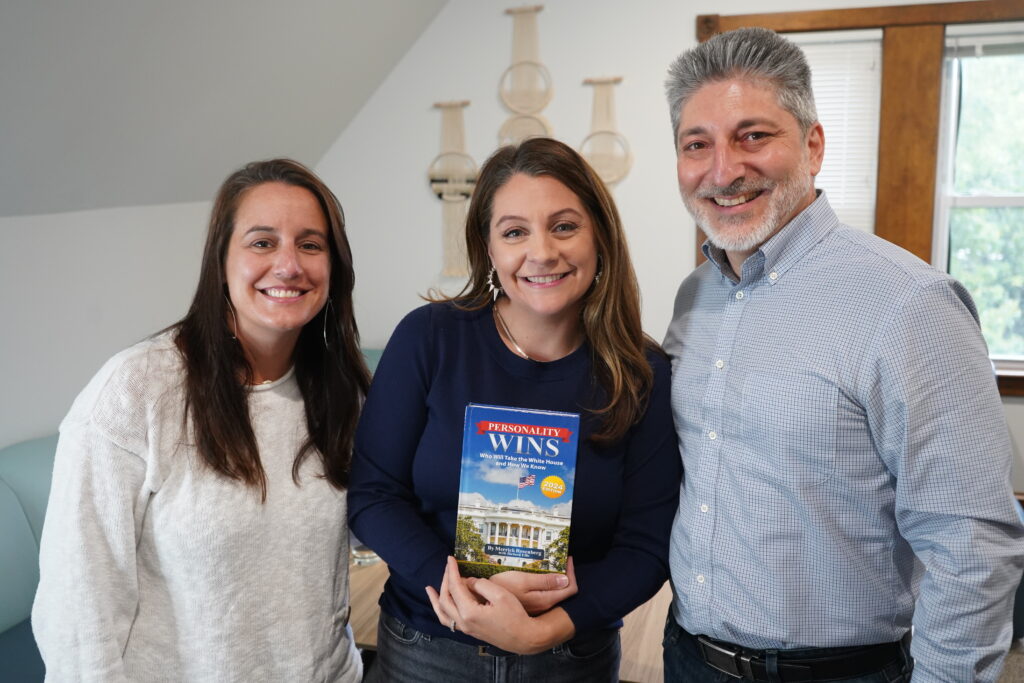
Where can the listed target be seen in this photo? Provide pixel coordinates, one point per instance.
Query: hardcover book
(515, 493)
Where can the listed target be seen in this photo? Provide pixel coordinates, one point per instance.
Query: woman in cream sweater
(196, 524)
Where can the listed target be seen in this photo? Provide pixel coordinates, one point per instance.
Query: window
(979, 208)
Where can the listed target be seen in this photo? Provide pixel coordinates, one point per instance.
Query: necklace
(508, 333)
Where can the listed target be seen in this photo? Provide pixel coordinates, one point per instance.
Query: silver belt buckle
(738, 664)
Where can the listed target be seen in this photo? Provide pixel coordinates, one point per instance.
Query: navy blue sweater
(404, 489)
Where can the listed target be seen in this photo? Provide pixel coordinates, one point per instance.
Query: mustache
(737, 187)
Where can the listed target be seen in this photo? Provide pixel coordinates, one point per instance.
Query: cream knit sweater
(155, 568)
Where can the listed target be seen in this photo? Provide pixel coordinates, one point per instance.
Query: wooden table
(641, 632)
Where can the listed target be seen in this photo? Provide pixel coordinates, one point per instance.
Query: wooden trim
(864, 17)
(1010, 385)
(911, 92)
(708, 25)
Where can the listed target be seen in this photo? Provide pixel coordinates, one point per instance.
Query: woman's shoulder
(150, 362)
(128, 387)
(439, 315)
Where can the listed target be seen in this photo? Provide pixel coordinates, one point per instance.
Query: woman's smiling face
(278, 263)
(542, 245)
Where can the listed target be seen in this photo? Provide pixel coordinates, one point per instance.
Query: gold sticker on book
(552, 486)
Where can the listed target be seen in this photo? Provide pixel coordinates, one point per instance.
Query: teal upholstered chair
(25, 470)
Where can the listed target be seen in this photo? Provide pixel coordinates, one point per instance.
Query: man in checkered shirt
(846, 453)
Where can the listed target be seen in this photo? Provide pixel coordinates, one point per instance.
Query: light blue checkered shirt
(845, 449)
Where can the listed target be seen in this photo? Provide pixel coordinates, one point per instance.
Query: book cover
(515, 493)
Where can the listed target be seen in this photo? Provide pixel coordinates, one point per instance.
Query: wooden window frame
(913, 45)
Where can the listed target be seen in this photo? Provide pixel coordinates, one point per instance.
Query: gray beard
(785, 196)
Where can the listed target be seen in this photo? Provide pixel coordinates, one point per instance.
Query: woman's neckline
(271, 383)
(512, 344)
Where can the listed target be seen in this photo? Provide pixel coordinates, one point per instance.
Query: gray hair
(753, 53)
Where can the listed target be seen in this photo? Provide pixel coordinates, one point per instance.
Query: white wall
(77, 287)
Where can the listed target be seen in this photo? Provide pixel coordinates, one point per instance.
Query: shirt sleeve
(383, 506)
(88, 586)
(938, 422)
(636, 566)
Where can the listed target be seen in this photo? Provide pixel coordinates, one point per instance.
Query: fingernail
(562, 580)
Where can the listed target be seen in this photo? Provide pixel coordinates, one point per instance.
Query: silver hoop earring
(600, 270)
(234, 320)
(327, 314)
(493, 284)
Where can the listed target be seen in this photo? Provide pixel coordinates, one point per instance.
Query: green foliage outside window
(986, 248)
(989, 147)
(986, 254)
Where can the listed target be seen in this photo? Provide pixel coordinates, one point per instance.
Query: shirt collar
(787, 246)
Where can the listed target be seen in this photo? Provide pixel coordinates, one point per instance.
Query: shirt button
(719, 364)
(739, 295)
(712, 435)
(773, 276)
(700, 578)
(704, 507)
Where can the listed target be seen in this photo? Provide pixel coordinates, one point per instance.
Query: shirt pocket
(789, 424)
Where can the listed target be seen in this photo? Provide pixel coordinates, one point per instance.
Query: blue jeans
(684, 664)
(404, 655)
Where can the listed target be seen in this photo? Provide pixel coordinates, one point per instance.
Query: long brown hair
(329, 366)
(611, 309)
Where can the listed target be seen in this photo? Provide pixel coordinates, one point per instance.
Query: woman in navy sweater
(549, 320)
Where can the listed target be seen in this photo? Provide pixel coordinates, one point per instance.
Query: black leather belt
(748, 664)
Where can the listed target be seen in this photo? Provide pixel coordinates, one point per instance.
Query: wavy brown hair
(332, 375)
(611, 308)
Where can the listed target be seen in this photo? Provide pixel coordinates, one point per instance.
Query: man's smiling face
(745, 168)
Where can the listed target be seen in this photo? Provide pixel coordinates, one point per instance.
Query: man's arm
(938, 422)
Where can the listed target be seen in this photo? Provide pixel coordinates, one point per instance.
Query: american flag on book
(528, 480)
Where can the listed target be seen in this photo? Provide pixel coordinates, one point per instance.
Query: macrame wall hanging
(525, 88)
(452, 176)
(606, 149)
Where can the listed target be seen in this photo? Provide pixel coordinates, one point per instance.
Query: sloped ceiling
(112, 103)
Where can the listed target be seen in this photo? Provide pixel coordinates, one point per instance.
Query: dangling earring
(327, 314)
(600, 269)
(234, 320)
(494, 284)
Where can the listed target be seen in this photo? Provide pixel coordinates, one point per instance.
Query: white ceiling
(133, 102)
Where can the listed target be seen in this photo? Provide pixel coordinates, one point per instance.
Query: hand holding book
(489, 612)
(538, 592)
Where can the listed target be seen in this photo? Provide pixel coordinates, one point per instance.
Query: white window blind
(846, 68)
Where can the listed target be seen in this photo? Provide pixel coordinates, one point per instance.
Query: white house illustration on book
(517, 523)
